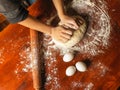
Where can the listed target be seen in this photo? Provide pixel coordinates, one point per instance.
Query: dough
(77, 35)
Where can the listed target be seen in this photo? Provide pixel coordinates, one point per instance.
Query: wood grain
(15, 50)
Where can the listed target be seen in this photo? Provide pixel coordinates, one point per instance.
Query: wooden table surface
(15, 67)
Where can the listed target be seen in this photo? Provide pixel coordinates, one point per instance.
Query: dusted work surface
(15, 66)
(14, 56)
(103, 69)
(99, 49)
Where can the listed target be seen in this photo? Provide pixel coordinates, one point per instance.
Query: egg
(68, 57)
(81, 66)
(70, 71)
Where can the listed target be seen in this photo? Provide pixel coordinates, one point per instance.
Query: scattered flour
(99, 69)
(86, 86)
(89, 86)
(51, 77)
(25, 58)
(99, 27)
(98, 32)
(24, 65)
(96, 36)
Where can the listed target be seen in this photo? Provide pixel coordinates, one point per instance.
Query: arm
(59, 7)
(17, 14)
(35, 24)
(66, 20)
(58, 33)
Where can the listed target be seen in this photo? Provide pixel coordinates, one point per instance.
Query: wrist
(61, 15)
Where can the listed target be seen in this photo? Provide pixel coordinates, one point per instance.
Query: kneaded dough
(77, 36)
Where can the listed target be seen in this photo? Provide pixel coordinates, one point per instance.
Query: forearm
(35, 24)
(59, 7)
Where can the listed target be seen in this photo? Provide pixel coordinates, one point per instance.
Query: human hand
(68, 21)
(61, 34)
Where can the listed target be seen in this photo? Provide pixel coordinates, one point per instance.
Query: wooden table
(15, 69)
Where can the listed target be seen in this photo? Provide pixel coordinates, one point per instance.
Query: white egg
(70, 71)
(81, 66)
(68, 57)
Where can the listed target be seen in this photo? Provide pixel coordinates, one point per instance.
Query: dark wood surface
(15, 55)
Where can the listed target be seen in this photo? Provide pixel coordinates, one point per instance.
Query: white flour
(87, 86)
(97, 36)
(99, 27)
(50, 56)
(99, 69)
(24, 65)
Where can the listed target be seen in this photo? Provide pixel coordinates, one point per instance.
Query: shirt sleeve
(13, 10)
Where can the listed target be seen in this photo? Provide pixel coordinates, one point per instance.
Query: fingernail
(75, 27)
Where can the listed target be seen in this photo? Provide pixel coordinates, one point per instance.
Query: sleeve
(13, 10)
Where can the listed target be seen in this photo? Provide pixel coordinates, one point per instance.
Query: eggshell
(81, 66)
(68, 57)
(70, 71)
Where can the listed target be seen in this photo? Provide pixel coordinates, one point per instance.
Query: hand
(61, 34)
(68, 21)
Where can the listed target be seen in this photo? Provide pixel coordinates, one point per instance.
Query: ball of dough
(76, 37)
(81, 66)
(68, 57)
(70, 71)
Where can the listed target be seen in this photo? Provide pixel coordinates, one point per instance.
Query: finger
(75, 24)
(66, 36)
(79, 22)
(67, 31)
(72, 25)
(62, 39)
